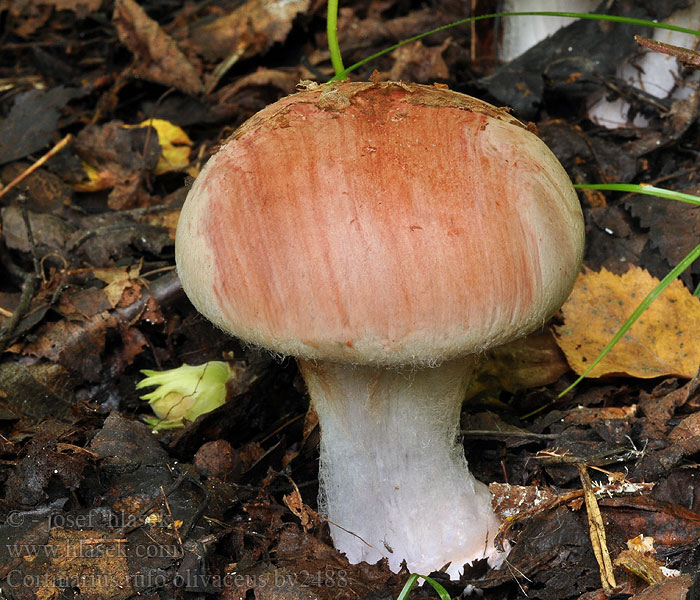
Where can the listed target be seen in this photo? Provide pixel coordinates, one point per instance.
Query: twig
(488, 433)
(607, 457)
(30, 236)
(688, 57)
(29, 170)
(597, 532)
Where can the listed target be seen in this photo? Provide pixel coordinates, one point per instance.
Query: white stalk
(394, 480)
(522, 33)
(657, 74)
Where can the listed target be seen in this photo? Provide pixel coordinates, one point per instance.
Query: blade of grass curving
(333, 46)
(643, 305)
(413, 578)
(591, 16)
(641, 188)
(649, 190)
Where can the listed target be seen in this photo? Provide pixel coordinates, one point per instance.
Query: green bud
(185, 393)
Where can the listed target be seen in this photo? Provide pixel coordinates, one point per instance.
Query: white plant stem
(394, 480)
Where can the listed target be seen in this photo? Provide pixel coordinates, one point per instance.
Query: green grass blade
(591, 16)
(649, 190)
(333, 46)
(408, 586)
(641, 188)
(413, 578)
(643, 305)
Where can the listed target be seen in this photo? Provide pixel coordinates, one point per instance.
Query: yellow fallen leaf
(663, 341)
(175, 145)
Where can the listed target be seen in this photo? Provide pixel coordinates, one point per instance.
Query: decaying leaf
(74, 345)
(46, 192)
(165, 219)
(644, 566)
(674, 227)
(417, 62)
(673, 587)
(308, 517)
(662, 342)
(512, 500)
(32, 121)
(117, 158)
(639, 559)
(248, 30)
(175, 145)
(156, 55)
(530, 362)
(122, 284)
(49, 231)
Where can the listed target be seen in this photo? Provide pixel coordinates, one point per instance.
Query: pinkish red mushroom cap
(380, 224)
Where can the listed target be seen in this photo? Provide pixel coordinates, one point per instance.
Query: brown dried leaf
(641, 565)
(686, 429)
(671, 588)
(248, 30)
(74, 345)
(513, 500)
(167, 219)
(134, 343)
(29, 482)
(46, 192)
(308, 517)
(529, 362)
(50, 232)
(248, 94)
(117, 158)
(660, 404)
(250, 453)
(663, 341)
(80, 7)
(32, 121)
(156, 55)
(674, 227)
(29, 17)
(122, 284)
(36, 392)
(83, 303)
(420, 63)
(587, 416)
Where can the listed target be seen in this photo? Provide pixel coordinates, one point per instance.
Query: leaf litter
(227, 505)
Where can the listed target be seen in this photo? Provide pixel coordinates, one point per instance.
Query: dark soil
(94, 505)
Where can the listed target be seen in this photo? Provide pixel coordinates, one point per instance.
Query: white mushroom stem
(655, 73)
(522, 33)
(394, 480)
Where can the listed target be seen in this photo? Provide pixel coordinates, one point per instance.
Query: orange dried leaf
(663, 341)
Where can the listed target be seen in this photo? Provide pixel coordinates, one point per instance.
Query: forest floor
(95, 505)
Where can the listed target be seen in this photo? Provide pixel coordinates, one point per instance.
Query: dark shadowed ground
(94, 505)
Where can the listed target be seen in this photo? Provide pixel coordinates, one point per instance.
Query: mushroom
(385, 234)
(523, 32)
